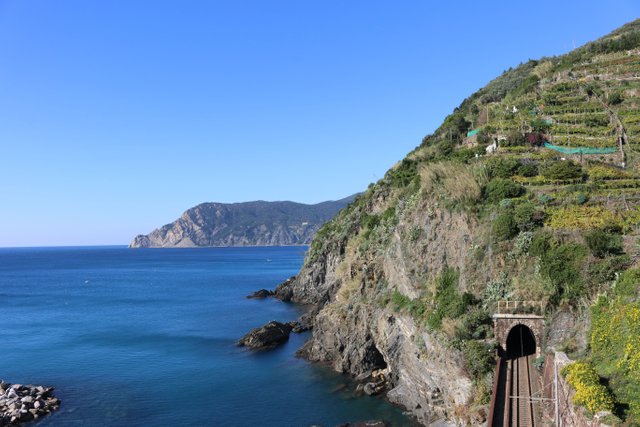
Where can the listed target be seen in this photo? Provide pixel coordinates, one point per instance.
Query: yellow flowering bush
(590, 217)
(615, 333)
(583, 377)
(581, 217)
(603, 172)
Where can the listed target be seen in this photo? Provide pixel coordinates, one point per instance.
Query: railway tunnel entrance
(519, 331)
(516, 333)
(520, 342)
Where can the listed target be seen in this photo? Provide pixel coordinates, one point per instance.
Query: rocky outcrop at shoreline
(268, 336)
(261, 294)
(20, 403)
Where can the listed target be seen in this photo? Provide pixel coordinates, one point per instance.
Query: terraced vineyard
(586, 110)
(554, 146)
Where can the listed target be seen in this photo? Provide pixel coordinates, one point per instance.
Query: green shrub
(475, 324)
(505, 204)
(399, 300)
(515, 139)
(561, 265)
(540, 244)
(448, 301)
(484, 138)
(389, 216)
(615, 348)
(455, 126)
(540, 125)
(403, 174)
(592, 90)
(605, 270)
(528, 169)
(500, 167)
(527, 216)
(562, 170)
(478, 357)
(628, 285)
(545, 199)
(615, 98)
(522, 243)
(602, 243)
(504, 227)
(497, 289)
(581, 198)
(444, 149)
(500, 188)
(414, 233)
(465, 154)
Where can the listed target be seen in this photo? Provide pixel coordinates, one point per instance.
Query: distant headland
(257, 223)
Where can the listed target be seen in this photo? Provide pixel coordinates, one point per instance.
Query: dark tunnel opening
(373, 359)
(520, 342)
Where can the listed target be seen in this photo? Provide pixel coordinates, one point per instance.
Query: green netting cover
(473, 132)
(581, 150)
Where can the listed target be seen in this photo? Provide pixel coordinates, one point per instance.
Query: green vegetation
(615, 98)
(504, 227)
(478, 358)
(501, 188)
(528, 216)
(561, 266)
(615, 343)
(524, 224)
(448, 301)
(561, 170)
(602, 243)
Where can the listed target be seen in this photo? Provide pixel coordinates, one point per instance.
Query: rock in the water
(268, 336)
(262, 293)
(21, 403)
(363, 376)
(370, 389)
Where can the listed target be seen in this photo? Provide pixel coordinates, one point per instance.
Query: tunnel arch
(521, 341)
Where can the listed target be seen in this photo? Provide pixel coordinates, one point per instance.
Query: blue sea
(147, 337)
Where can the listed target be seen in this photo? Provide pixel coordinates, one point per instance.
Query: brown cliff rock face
(356, 334)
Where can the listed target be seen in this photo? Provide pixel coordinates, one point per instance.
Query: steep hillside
(528, 191)
(243, 224)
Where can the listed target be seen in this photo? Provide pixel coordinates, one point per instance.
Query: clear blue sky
(118, 115)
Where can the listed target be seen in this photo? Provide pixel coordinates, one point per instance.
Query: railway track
(519, 411)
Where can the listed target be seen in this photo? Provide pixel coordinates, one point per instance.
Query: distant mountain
(256, 223)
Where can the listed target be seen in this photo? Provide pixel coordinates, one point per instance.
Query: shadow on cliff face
(373, 359)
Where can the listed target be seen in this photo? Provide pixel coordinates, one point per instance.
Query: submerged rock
(268, 336)
(262, 293)
(21, 403)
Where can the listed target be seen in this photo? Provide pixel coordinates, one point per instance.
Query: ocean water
(147, 337)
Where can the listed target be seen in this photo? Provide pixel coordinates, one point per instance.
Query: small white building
(492, 148)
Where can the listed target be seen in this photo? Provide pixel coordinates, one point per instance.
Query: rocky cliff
(243, 224)
(402, 283)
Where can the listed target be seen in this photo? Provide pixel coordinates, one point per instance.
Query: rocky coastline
(371, 382)
(22, 403)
